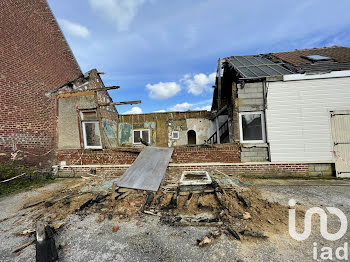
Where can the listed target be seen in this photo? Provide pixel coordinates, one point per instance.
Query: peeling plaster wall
(69, 122)
(200, 125)
(158, 124)
(110, 131)
(68, 125)
(125, 132)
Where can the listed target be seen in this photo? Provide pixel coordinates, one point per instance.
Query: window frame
(140, 130)
(84, 134)
(262, 127)
(178, 135)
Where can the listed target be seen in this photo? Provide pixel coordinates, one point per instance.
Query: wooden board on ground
(148, 170)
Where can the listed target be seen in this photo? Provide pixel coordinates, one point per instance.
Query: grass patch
(31, 179)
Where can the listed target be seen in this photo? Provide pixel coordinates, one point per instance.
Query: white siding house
(298, 115)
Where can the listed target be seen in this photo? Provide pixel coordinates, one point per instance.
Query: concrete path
(301, 182)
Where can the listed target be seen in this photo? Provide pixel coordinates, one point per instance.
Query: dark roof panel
(257, 66)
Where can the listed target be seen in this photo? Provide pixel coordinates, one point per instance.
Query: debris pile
(228, 203)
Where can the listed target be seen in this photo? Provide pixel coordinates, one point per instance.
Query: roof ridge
(308, 49)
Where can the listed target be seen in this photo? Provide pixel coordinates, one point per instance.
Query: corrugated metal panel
(298, 117)
(341, 138)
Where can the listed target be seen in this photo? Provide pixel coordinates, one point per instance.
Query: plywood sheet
(148, 170)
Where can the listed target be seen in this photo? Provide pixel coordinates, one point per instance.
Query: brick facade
(245, 169)
(34, 59)
(224, 154)
(224, 158)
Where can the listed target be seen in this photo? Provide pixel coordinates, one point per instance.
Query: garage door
(340, 121)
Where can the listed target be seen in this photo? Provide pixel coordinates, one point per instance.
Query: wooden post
(103, 141)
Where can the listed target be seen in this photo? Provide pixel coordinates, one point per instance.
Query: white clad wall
(298, 117)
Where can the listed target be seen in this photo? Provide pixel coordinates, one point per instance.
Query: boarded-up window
(88, 115)
(143, 133)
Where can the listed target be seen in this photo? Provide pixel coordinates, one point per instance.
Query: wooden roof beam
(122, 103)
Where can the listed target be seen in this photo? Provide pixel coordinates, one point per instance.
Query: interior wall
(161, 126)
(200, 125)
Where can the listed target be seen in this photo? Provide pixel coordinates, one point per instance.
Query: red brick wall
(34, 59)
(87, 157)
(228, 154)
(248, 170)
(263, 169)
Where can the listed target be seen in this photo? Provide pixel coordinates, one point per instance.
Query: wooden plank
(121, 103)
(85, 93)
(148, 170)
(23, 246)
(127, 103)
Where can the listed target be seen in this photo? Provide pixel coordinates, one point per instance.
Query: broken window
(141, 133)
(175, 135)
(252, 127)
(91, 130)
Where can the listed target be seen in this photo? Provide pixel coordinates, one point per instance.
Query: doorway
(340, 121)
(191, 137)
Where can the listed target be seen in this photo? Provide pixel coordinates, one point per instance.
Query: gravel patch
(87, 240)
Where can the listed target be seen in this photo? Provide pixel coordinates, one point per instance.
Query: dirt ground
(89, 212)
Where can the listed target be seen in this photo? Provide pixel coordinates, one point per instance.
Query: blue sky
(165, 52)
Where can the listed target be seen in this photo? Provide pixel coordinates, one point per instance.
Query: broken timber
(86, 92)
(121, 103)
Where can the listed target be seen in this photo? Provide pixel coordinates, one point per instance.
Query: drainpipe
(217, 129)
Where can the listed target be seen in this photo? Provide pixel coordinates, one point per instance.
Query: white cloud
(121, 12)
(163, 90)
(133, 110)
(73, 28)
(199, 83)
(160, 111)
(208, 108)
(181, 107)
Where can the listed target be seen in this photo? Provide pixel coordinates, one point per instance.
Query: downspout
(265, 91)
(218, 73)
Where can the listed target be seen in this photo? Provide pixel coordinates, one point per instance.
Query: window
(141, 133)
(91, 130)
(252, 127)
(175, 135)
(315, 58)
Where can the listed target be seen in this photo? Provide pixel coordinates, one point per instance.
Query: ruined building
(34, 59)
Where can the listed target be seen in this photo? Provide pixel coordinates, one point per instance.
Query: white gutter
(333, 74)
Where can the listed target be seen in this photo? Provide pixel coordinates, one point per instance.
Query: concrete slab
(301, 182)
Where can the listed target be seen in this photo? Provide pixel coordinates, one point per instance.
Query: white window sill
(254, 144)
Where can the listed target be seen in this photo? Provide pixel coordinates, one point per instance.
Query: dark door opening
(191, 137)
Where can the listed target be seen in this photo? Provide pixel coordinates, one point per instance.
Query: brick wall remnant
(34, 59)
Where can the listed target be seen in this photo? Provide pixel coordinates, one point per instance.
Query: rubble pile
(229, 204)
